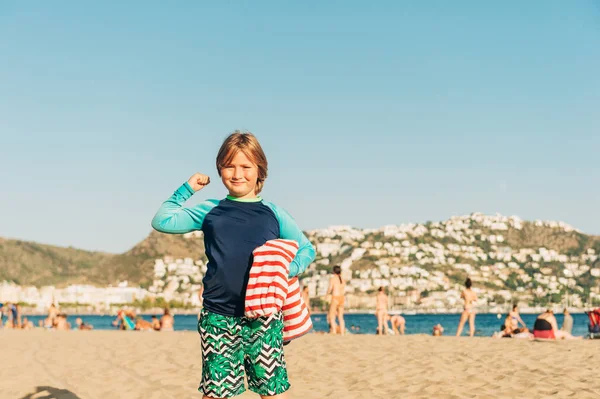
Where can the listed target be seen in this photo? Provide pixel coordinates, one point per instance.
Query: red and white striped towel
(270, 290)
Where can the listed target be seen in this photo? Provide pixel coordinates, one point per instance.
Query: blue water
(485, 324)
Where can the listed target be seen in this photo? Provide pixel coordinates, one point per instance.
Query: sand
(111, 364)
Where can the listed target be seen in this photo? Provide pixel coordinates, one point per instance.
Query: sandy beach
(101, 364)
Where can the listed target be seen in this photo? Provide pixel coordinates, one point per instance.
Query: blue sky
(370, 113)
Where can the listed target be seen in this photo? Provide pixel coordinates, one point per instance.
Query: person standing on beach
(469, 296)
(381, 311)
(306, 298)
(52, 314)
(233, 227)
(336, 290)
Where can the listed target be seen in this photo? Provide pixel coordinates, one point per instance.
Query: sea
(363, 323)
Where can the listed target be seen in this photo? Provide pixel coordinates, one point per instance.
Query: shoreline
(175, 311)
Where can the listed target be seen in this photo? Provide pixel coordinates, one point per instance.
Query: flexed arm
(172, 217)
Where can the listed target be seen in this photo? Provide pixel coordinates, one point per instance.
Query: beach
(100, 364)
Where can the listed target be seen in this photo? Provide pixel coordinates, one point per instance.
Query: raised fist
(198, 181)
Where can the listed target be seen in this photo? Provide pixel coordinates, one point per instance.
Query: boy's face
(240, 176)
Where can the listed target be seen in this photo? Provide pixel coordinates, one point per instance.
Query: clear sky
(371, 113)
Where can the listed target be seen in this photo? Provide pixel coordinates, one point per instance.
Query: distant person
(143, 325)
(7, 308)
(545, 325)
(62, 323)
(469, 296)
(11, 315)
(81, 325)
(336, 289)
(306, 298)
(398, 324)
(124, 320)
(515, 319)
(381, 311)
(155, 323)
(438, 330)
(166, 321)
(52, 314)
(49, 323)
(27, 324)
(17, 323)
(567, 322)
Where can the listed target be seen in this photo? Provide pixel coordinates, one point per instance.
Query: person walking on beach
(233, 227)
(469, 296)
(336, 289)
(381, 311)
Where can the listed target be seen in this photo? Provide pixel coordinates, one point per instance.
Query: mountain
(538, 262)
(30, 263)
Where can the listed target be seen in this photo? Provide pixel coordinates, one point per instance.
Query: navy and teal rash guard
(232, 229)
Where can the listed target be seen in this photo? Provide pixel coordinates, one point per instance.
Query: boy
(233, 228)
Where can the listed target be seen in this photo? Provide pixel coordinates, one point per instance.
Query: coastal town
(421, 266)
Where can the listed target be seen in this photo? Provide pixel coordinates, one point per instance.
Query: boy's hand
(198, 181)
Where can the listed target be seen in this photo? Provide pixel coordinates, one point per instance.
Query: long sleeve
(172, 217)
(289, 230)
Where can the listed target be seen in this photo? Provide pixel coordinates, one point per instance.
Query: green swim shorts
(232, 346)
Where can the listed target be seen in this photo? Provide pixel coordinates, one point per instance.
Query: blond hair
(247, 143)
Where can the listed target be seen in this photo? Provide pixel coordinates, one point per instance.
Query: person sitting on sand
(166, 321)
(27, 324)
(515, 318)
(398, 324)
(567, 322)
(49, 323)
(81, 325)
(155, 323)
(438, 330)
(61, 322)
(507, 329)
(546, 327)
(523, 333)
(381, 311)
(143, 325)
(124, 320)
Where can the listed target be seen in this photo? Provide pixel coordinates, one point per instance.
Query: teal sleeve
(289, 230)
(172, 217)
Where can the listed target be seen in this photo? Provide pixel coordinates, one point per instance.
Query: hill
(30, 263)
(541, 261)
